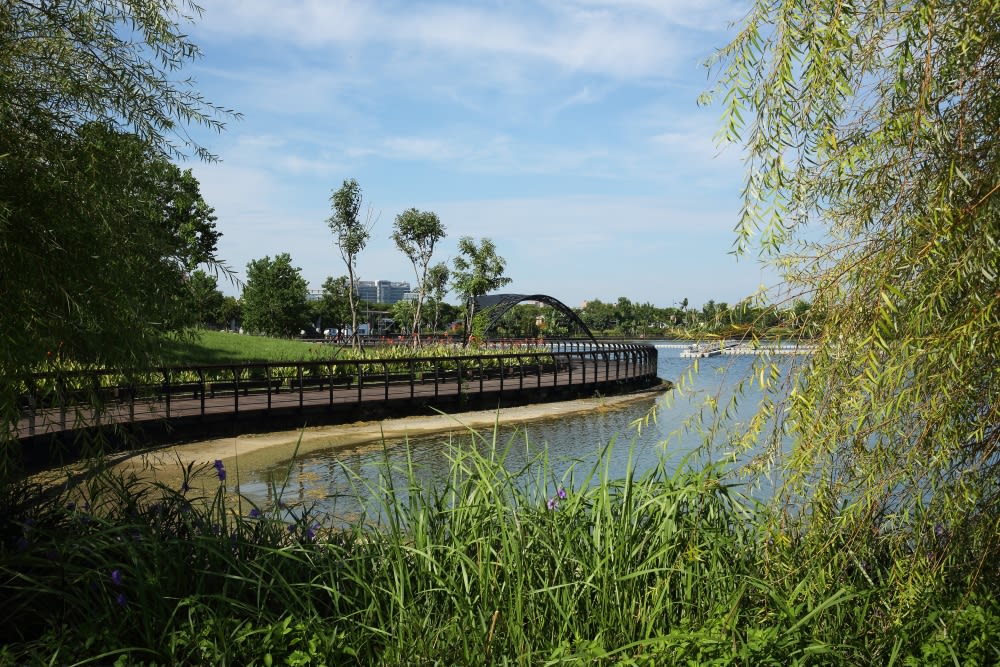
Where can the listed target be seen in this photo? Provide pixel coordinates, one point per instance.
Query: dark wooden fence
(254, 395)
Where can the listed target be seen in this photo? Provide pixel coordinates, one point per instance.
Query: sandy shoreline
(258, 450)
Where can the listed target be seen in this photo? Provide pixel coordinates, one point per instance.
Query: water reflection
(333, 480)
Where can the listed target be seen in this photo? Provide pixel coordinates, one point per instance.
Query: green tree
(416, 233)
(352, 231)
(117, 64)
(477, 270)
(334, 307)
(597, 315)
(275, 297)
(872, 179)
(403, 315)
(437, 286)
(206, 300)
(97, 241)
(231, 313)
(93, 102)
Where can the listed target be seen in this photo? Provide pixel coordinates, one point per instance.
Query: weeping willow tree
(872, 135)
(98, 227)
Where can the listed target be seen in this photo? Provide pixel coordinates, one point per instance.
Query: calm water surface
(332, 480)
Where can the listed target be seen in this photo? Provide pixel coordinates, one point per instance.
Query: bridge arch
(495, 306)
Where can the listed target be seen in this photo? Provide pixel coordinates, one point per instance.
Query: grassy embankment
(494, 567)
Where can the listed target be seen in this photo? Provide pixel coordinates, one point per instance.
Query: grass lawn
(218, 347)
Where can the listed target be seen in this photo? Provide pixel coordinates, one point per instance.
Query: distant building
(390, 292)
(382, 291)
(367, 291)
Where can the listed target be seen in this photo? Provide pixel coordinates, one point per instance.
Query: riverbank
(260, 450)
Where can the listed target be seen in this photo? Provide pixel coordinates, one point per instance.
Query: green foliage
(478, 270)
(114, 63)
(274, 297)
(872, 182)
(416, 233)
(352, 232)
(93, 255)
(97, 227)
(403, 313)
(206, 301)
(436, 286)
(333, 309)
(493, 566)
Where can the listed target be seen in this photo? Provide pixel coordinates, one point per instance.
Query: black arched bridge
(198, 401)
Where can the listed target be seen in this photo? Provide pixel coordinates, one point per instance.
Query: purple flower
(311, 532)
(254, 513)
(121, 600)
(561, 493)
(553, 503)
(116, 577)
(218, 464)
(220, 470)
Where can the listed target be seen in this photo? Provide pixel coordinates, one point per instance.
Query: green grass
(492, 567)
(217, 347)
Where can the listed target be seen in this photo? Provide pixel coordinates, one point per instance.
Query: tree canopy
(97, 235)
(872, 180)
(206, 301)
(275, 297)
(352, 230)
(116, 63)
(478, 269)
(333, 309)
(97, 227)
(416, 233)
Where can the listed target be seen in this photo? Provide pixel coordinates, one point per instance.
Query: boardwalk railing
(54, 403)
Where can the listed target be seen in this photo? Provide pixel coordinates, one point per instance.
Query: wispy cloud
(624, 45)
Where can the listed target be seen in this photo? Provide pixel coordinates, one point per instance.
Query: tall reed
(493, 566)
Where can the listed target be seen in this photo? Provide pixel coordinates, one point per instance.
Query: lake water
(329, 480)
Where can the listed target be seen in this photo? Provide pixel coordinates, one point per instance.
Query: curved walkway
(289, 396)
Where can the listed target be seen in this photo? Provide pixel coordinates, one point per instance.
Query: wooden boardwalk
(257, 396)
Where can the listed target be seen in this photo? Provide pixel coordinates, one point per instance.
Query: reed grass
(493, 566)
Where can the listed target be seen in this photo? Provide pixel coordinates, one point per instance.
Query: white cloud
(706, 15)
(618, 45)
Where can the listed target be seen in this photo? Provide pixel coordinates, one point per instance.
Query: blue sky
(568, 132)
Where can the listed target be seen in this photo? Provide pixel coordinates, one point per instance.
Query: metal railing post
(385, 375)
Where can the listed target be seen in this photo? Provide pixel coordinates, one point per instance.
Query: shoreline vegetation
(672, 566)
(129, 566)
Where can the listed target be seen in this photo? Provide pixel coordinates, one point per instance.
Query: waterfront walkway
(226, 399)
